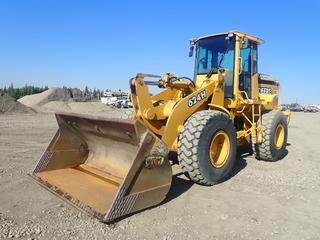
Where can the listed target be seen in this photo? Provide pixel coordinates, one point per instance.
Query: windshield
(214, 51)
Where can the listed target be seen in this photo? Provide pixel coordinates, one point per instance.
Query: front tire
(207, 147)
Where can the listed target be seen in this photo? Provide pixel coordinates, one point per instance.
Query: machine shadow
(283, 156)
(241, 163)
(286, 152)
(180, 185)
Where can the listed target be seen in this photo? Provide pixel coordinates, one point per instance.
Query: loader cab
(234, 51)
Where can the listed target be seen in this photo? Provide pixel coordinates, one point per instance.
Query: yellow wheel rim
(219, 149)
(279, 136)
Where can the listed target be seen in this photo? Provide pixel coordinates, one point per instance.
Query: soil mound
(95, 108)
(70, 100)
(10, 105)
(52, 94)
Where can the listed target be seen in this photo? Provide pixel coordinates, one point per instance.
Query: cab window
(217, 52)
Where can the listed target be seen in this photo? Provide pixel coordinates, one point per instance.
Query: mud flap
(108, 168)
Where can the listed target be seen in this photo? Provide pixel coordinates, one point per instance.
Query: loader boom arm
(166, 112)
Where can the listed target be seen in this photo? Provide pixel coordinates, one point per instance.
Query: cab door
(248, 78)
(246, 70)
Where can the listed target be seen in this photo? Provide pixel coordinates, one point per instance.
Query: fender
(220, 108)
(183, 110)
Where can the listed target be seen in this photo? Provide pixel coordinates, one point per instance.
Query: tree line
(19, 92)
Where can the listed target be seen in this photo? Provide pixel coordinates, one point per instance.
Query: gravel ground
(263, 200)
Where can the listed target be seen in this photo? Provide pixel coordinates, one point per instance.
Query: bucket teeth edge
(68, 199)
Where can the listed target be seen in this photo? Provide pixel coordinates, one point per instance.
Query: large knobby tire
(207, 147)
(274, 137)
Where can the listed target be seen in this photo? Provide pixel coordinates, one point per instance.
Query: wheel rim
(219, 149)
(279, 136)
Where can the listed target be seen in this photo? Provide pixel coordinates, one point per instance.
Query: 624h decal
(195, 99)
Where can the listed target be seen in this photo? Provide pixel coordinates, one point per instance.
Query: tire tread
(189, 140)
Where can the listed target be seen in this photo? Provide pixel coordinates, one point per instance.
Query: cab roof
(240, 34)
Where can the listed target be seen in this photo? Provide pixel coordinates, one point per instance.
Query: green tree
(86, 90)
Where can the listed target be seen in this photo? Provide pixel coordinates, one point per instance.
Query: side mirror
(191, 51)
(244, 42)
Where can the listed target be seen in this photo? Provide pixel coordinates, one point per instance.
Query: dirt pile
(78, 96)
(39, 99)
(55, 94)
(10, 105)
(69, 100)
(95, 108)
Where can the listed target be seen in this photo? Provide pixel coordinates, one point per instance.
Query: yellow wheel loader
(109, 168)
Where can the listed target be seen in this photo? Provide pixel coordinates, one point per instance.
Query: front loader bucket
(105, 167)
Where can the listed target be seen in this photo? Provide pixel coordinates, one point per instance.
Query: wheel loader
(110, 168)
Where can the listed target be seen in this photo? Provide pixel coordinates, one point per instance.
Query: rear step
(99, 165)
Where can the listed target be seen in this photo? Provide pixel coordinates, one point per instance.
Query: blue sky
(103, 43)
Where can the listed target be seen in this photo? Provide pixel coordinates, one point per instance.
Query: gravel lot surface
(263, 200)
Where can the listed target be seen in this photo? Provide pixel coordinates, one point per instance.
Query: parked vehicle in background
(311, 108)
(118, 99)
(123, 104)
(109, 100)
(295, 107)
(284, 107)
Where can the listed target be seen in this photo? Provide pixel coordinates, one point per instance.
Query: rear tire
(207, 147)
(274, 137)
